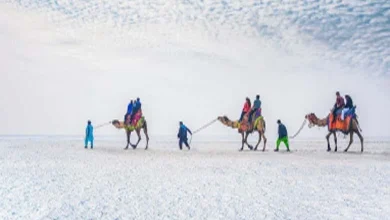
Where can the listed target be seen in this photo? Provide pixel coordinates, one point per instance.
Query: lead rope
(102, 125)
(299, 130)
(203, 127)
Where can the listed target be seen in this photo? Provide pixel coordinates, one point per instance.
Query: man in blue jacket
(256, 106)
(282, 131)
(89, 135)
(130, 107)
(182, 135)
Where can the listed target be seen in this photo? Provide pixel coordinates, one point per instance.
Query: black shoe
(276, 150)
(85, 147)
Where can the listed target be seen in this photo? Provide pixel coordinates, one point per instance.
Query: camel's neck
(226, 121)
(321, 122)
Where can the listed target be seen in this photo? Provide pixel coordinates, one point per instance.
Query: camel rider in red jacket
(246, 109)
(338, 105)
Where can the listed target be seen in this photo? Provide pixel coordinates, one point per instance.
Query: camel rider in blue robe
(89, 135)
(256, 106)
(182, 135)
(130, 107)
(348, 106)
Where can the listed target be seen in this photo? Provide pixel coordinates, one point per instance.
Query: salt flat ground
(51, 178)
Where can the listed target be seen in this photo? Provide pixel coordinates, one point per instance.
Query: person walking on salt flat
(182, 135)
(89, 135)
(282, 131)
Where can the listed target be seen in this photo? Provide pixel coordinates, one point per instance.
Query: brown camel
(353, 128)
(244, 128)
(142, 124)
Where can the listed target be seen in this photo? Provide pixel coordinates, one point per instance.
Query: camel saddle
(341, 125)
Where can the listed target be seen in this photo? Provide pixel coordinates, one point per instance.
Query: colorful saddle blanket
(136, 118)
(245, 125)
(132, 127)
(341, 125)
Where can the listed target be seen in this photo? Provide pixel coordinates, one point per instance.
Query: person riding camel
(347, 107)
(246, 109)
(338, 105)
(256, 106)
(129, 110)
(136, 108)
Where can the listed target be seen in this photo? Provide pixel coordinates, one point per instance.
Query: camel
(353, 128)
(142, 124)
(245, 129)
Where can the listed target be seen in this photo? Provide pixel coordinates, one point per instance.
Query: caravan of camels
(342, 119)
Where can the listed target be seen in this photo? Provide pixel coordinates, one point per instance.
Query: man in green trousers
(282, 131)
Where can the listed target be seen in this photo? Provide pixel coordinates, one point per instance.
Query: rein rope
(203, 127)
(102, 125)
(299, 130)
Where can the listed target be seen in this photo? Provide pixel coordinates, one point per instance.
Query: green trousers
(284, 140)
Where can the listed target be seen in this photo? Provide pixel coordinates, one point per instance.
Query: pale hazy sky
(53, 78)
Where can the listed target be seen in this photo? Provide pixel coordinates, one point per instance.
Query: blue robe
(89, 135)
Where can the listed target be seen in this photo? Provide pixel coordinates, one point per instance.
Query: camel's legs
(335, 141)
(265, 140)
(350, 141)
(147, 136)
(258, 142)
(357, 130)
(327, 139)
(361, 140)
(138, 131)
(246, 141)
(128, 133)
(242, 141)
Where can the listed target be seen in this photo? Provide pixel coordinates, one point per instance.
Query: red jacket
(340, 102)
(246, 108)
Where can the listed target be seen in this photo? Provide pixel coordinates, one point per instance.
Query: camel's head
(116, 124)
(312, 118)
(223, 119)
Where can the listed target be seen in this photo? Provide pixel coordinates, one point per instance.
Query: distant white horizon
(59, 71)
